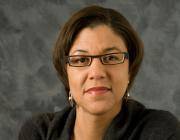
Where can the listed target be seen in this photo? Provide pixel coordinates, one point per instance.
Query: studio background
(29, 29)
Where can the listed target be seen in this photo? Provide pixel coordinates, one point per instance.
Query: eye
(79, 60)
(111, 57)
(83, 59)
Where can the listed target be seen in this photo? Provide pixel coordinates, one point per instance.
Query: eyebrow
(104, 51)
(79, 50)
(112, 49)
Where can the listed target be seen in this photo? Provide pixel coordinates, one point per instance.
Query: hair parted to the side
(93, 16)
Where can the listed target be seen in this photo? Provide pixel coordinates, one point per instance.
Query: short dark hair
(93, 16)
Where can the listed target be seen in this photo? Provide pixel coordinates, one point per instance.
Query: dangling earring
(128, 95)
(71, 99)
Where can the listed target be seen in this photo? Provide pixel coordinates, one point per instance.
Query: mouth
(97, 90)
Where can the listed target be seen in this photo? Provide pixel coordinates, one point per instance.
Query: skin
(96, 109)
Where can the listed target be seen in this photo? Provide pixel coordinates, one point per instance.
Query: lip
(97, 90)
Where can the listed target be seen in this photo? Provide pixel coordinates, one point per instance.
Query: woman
(97, 57)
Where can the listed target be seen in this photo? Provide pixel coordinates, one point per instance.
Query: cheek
(120, 80)
(75, 78)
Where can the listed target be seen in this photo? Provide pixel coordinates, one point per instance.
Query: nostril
(97, 74)
(96, 77)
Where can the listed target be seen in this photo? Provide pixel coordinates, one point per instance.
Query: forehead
(97, 40)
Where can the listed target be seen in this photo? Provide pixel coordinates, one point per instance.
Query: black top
(134, 122)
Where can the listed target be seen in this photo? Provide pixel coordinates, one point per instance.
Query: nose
(97, 70)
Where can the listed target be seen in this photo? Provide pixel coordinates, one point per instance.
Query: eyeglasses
(106, 59)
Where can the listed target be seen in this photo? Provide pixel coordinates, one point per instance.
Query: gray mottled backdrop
(28, 30)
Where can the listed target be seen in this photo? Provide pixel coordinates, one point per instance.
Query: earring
(127, 96)
(71, 99)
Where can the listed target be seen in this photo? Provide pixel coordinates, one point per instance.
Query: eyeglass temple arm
(126, 55)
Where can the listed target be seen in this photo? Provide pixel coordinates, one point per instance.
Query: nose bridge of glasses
(97, 56)
(97, 69)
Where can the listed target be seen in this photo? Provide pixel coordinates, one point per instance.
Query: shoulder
(136, 109)
(160, 119)
(155, 124)
(37, 127)
(160, 124)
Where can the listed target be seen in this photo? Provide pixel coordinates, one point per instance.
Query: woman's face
(98, 88)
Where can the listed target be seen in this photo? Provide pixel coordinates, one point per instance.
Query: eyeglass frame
(126, 56)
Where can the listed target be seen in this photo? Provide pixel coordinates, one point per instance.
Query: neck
(92, 127)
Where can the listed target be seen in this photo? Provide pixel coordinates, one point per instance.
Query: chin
(100, 108)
